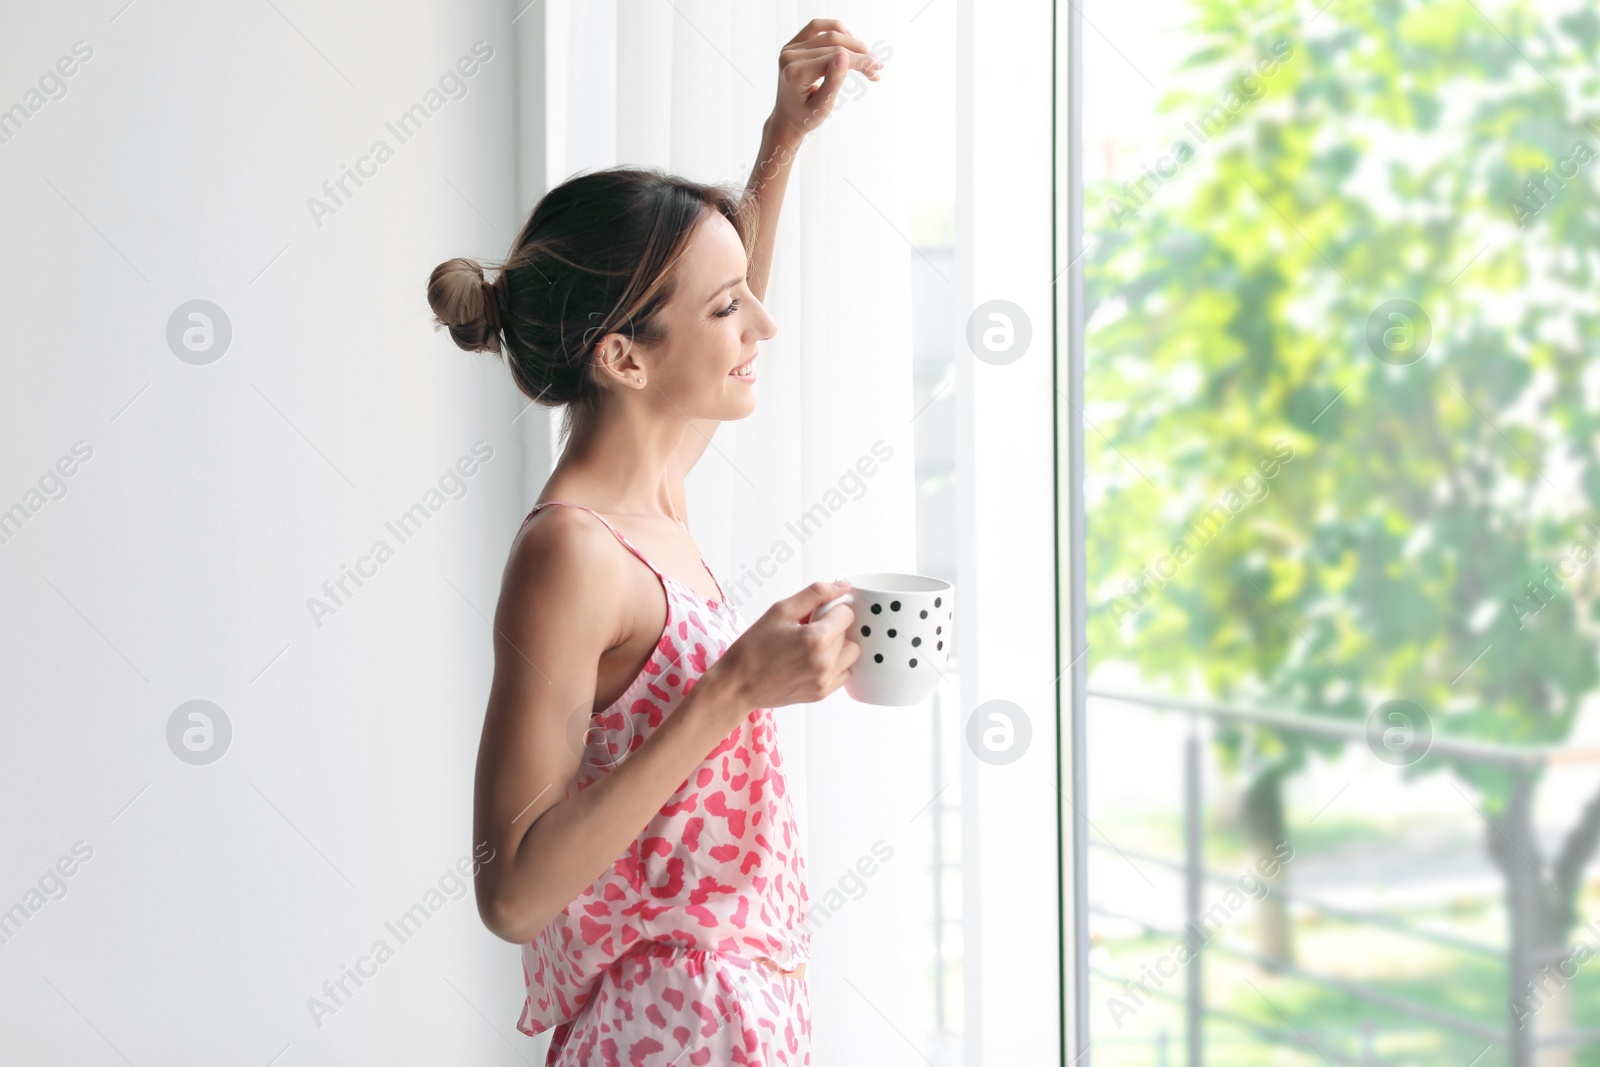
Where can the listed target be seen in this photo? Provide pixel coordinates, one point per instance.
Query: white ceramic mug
(902, 624)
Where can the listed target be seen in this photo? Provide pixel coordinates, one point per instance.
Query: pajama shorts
(661, 1005)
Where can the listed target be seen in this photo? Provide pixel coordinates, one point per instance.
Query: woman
(647, 858)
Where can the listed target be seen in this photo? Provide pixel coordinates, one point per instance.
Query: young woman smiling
(629, 777)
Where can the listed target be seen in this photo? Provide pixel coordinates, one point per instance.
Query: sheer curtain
(823, 479)
(687, 87)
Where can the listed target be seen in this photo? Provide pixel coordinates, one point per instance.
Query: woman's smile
(744, 372)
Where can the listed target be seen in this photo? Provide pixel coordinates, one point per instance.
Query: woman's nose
(769, 324)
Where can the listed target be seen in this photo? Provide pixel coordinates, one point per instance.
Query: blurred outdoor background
(1343, 499)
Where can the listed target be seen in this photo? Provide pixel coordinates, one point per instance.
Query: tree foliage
(1436, 535)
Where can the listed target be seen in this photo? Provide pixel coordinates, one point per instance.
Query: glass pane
(1341, 482)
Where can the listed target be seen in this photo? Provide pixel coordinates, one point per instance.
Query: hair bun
(465, 303)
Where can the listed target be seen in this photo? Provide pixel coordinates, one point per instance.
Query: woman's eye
(729, 310)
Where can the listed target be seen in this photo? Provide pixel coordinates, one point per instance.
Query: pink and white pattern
(673, 955)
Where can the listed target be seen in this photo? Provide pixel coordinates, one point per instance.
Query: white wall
(219, 497)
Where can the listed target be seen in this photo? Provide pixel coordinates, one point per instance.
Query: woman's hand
(811, 69)
(822, 52)
(783, 658)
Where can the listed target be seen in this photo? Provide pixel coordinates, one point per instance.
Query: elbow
(510, 919)
(514, 903)
(502, 923)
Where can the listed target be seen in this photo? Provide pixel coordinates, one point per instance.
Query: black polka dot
(878, 658)
(877, 609)
(940, 645)
(938, 601)
(915, 641)
(938, 629)
(913, 663)
(894, 605)
(866, 631)
(891, 633)
(923, 614)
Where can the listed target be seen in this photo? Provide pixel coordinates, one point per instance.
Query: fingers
(814, 27)
(835, 623)
(848, 655)
(835, 683)
(847, 658)
(807, 66)
(819, 96)
(831, 37)
(813, 596)
(832, 659)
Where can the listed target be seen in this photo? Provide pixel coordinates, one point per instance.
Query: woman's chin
(739, 401)
(741, 411)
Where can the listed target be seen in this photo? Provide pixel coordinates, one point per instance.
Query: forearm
(764, 196)
(573, 843)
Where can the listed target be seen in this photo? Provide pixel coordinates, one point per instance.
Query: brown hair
(595, 257)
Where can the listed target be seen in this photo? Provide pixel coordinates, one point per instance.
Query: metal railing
(1523, 762)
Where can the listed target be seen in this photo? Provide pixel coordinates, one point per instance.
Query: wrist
(724, 690)
(781, 138)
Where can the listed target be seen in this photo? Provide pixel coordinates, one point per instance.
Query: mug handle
(843, 598)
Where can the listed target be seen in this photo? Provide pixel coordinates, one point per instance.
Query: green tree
(1426, 539)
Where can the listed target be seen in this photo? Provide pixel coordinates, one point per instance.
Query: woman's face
(713, 324)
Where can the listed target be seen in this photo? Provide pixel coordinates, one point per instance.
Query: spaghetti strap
(631, 547)
(722, 597)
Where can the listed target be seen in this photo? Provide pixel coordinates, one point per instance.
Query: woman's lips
(745, 372)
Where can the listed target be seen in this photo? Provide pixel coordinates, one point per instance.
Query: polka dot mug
(902, 624)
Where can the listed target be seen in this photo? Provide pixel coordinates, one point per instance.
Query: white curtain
(685, 86)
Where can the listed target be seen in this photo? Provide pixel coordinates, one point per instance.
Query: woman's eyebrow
(725, 287)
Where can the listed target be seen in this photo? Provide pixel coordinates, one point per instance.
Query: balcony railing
(1524, 763)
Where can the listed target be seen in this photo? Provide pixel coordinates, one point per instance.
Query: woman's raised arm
(822, 50)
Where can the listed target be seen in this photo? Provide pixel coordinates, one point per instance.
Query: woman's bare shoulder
(565, 558)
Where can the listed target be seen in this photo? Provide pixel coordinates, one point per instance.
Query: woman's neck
(623, 463)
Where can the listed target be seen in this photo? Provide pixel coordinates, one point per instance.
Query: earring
(639, 379)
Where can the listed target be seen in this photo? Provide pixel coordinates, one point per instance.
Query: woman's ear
(615, 361)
